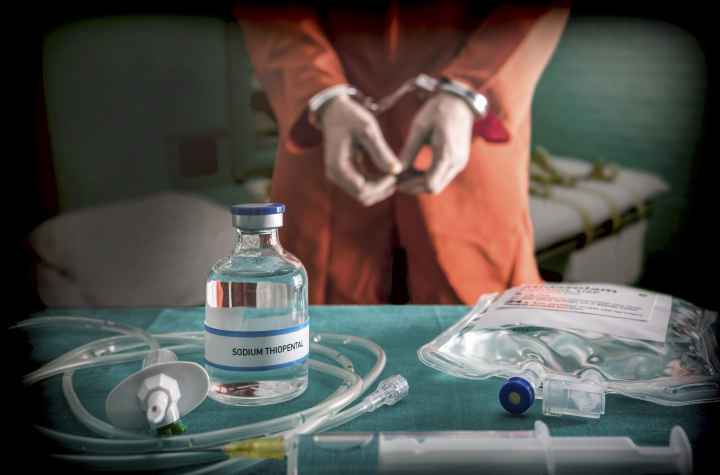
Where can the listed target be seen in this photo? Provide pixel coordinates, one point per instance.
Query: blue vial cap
(516, 395)
(257, 209)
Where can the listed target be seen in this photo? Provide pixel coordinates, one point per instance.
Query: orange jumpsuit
(476, 235)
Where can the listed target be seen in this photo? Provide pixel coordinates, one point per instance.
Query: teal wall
(631, 91)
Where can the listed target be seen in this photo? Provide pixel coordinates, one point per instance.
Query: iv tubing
(92, 323)
(142, 443)
(106, 351)
(345, 416)
(304, 421)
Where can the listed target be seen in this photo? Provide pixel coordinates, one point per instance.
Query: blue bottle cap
(516, 395)
(257, 209)
(258, 216)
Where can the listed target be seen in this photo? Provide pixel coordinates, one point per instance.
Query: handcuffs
(422, 83)
(478, 103)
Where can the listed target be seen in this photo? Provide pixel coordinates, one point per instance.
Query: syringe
(464, 452)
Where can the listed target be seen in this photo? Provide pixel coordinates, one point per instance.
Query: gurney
(590, 218)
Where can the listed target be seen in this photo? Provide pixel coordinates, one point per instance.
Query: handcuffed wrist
(323, 98)
(477, 102)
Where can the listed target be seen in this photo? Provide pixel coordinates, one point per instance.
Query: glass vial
(256, 315)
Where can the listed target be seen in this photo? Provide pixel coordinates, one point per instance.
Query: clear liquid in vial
(256, 291)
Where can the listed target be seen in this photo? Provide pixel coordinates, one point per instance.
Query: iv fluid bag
(634, 342)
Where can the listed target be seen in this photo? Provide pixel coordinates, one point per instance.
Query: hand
(347, 125)
(445, 121)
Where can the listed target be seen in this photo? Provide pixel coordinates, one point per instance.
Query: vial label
(256, 350)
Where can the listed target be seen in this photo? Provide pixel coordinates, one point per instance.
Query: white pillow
(152, 251)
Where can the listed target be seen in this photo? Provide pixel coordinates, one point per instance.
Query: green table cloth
(436, 401)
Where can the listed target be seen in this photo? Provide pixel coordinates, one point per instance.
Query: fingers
(346, 114)
(449, 159)
(377, 191)
(338, 164)
(444, 121)
(346, 123)
(434, 181)
(370, 137)
(341, 170)
(419, 132)
(443, 168)
(371, 191)
(447, 121)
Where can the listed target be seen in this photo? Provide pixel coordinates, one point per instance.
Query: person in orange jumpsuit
(465, 224)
